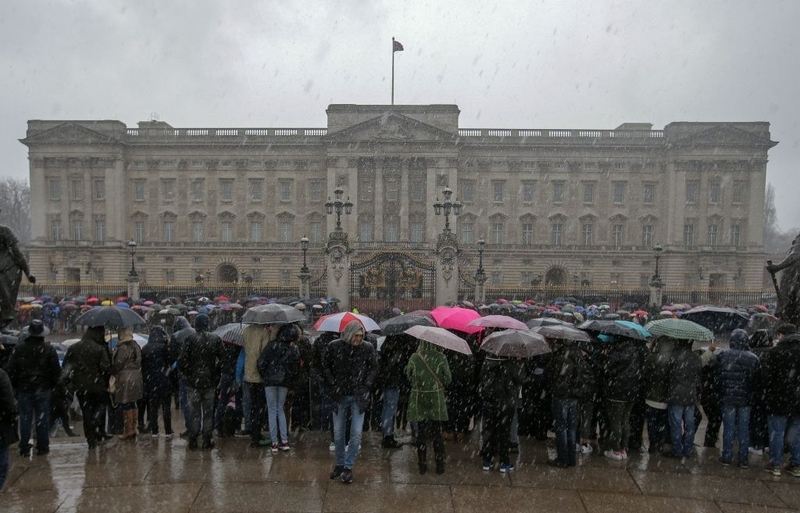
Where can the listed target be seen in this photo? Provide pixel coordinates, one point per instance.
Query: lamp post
(655, 284)
(657, 249)
(480, 274)
(304, 246)
(305, 274)
(446, 207)
(132, 250)
(338, 206)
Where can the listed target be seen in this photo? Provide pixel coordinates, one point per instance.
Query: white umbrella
(440, 337)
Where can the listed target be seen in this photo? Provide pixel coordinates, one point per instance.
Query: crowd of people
(598, 395)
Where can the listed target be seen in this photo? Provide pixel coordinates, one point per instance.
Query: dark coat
(499, 384)
(200, 359)
(683, 377)
(780, 371)
(393, 358)
(733, 374)
(126, 365)
(623, 372)
(350, 370)
(656, 374)
(8, 412)
(279, 364)
(569, 374)
(34, 366)
(87, 364)
(156, 363)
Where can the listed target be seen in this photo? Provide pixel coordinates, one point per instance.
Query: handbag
(112, 385)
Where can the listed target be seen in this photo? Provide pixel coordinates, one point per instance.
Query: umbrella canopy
(498, 321)
(546, 321)
(440, 337)
(336, 322)
(717, 319)
(70, 342)
(140, 339)
(456, 318)
(401, 323)
(232, 332)
(562, 333)
(110, 316)
(272, 314)
(613, 328)
(637, 327)
(680, 329)
(515, 344)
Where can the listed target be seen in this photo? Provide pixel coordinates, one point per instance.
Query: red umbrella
(456, 318)
(640, 312)
(336, 322)
(92, 300)
(223, 298)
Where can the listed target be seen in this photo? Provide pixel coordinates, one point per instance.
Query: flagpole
(392, 71)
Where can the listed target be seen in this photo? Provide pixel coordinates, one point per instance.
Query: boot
(208, 443)
(129, 418)
(422, 460)
(438, 455)
(390, 443)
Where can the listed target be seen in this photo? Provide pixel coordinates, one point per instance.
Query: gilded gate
(387, 280)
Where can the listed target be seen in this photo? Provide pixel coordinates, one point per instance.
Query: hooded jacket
(279, 362)
(427, 400)
(33, 366)
(350, 369)
(780, 369)
(734, 371)
(87, 364)
(155, 364)
(683, 376)
(201, 356)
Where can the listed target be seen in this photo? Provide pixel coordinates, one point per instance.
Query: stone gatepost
(656, 292)
(447, 278)
(338, 261)
(480, 288)
(305, 284)
(133, 287)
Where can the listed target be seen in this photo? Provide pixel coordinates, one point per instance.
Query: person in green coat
(429, 374)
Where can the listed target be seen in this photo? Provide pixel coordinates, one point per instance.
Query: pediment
(70, 133)
(391, 128)
(724, 135)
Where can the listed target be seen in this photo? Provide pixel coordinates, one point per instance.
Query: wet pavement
(163, 475)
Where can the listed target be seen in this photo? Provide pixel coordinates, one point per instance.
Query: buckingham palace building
(535, 206)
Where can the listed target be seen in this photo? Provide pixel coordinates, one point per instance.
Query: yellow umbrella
(107, 303)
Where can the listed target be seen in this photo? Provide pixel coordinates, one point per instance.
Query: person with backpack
(279, 365)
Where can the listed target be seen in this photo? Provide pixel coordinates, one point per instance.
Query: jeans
(565, 425)
(657, 422)
(258, 403)
(391, 396)
(681, 428)
(496, 431)
(276, 397)
(778, 426)
(34, 406)
(93, 410)
(155, 403)
(735, 426)
(183, 399)
(347, 404)
(246, 407)
(201, 411)
(513, 436)
(619, 413)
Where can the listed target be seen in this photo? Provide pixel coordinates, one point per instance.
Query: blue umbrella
(638, 327)
(123, 304)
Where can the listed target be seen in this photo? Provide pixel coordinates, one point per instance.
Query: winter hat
(201, 322)
(739, 339)
(36, 328)
(287, 333)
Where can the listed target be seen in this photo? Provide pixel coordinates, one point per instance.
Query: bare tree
(771, 229)
(15, 207)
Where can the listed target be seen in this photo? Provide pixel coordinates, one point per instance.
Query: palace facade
(560, 207)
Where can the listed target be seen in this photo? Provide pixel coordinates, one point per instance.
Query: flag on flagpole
(397, 46)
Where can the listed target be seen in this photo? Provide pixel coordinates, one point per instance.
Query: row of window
(76, 189)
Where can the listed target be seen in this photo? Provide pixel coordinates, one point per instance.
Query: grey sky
(521, 64)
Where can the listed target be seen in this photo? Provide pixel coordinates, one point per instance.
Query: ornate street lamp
(338, 206)
(657, 249)
(446, 207)
(304, 246)
(480, 274)
(132, 250)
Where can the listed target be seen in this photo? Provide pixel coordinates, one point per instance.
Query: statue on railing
(12, 265)
(789, 290)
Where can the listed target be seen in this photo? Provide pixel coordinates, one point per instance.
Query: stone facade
(554, 206)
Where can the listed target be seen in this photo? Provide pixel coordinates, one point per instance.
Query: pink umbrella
(498, 321)
(336, 322)
(456, 318)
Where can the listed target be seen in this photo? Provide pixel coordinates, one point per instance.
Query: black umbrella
(110, 316)
(399, 324)
(273, 314)
(546, 321)
(232, 332)
(611, 328)
(717, 319)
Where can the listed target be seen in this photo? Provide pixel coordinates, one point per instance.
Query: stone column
(133, 287)
(446, 268)
(305, 284)
(480, 288)
(339, 268)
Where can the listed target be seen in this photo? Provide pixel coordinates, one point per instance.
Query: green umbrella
(680, 329)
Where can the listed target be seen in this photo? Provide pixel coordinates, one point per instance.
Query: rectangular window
(226, 190)
(527, 233)
(286, 231)
(99, 230)
(417, 231)
(588, 192)
(617, 234)
(558, 192)
(315, 232)
(99, 189)
(55, 229)
(198, 190)
(738, 192)
(76, 188)
(256, 231)
(365, 190)
(286, 277)
(647, 235)
(528, 189)
(688, 234)
(138, 190)
(256, 190)
(138, 231)
(226, 231)
(713, 233)
(285, 190)
(55, 189)
(198, 231)
(315, 191)
(556, 233)
(736, 233)
(496, 278)
(365, 230)
(644, 280)
(468, 191)
(169, 275)
(417, 188)
(392, 190)
(392, 229)
(168, 189)
(497, 191)
(497, 232)
(525, 278)
(587, 234)
(77, 229)
(616, 279)
(692, 189)
(715, 193)
(168, 231)
(467, 229)
(648, 193)
(619, 192)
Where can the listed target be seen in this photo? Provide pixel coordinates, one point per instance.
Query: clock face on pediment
(392, 128)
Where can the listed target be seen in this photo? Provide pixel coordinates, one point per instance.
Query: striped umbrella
(680, 329)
